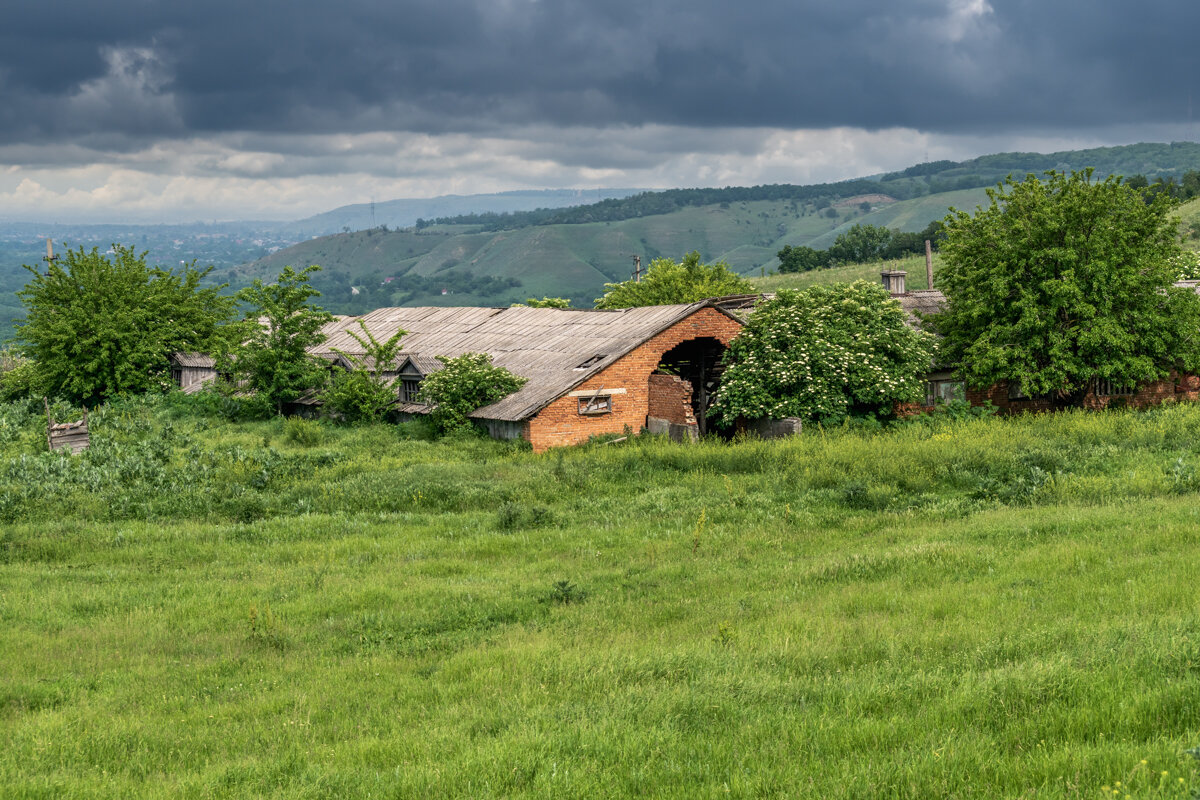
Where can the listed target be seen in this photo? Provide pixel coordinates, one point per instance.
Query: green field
(973, 609)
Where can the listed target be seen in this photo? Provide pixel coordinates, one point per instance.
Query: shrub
(824, 354)
(362, 393)
(19, 382)
(464, 384)
(303, 432)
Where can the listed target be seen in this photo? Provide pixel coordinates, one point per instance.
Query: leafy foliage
(545, 302)
(362, 393)
(667, 282)
(1063, 282)
(18, 375)
(270, 356)
(824, 354)
(801, 259)
(465, 383)
(97, 327)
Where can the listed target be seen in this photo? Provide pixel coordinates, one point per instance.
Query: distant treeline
(1187, 188)
(648, 204)
(1164, 161)
(861, 244)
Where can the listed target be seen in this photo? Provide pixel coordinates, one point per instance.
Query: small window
(410, 390)
(944, 392)
(177, 376)
(1110, 389)
(597, 404)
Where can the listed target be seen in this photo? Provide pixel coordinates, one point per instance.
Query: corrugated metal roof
(194, 360)
(545, 345)
(424, 364)
(921, 303)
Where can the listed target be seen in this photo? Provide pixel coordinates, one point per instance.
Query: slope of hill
(405, 213)
(465, 265)
(496, 258)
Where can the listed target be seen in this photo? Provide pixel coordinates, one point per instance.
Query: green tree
(801, 259)
(860, 244)
(97, 326)
(1063, 282)
(464, 384)
(668, 282)
(362, 393)
(270, 355)
(824, 354)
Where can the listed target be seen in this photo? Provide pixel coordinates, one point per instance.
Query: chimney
(893, 280)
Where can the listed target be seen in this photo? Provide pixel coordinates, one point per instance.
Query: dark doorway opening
(697, 361)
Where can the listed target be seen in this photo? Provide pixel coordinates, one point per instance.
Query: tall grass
(982, 608)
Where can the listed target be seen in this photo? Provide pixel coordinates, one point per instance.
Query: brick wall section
(1175, 387)
(560, 423)
(671, 399)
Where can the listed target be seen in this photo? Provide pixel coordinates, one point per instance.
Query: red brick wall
(1173, 388)
(671, 399)
(560, 423)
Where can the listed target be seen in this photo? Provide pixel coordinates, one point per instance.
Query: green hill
(369, 269)
(496, 258)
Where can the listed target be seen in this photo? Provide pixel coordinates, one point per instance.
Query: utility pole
(637, 269)
(928, 264)
(49, 258)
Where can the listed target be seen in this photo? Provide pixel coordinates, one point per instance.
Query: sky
(165, 111)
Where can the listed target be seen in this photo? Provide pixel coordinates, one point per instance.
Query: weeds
(304, 432)
(564, 593)
(266, 629)
(513, 516)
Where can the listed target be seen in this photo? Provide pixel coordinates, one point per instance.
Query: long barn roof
(556, 349)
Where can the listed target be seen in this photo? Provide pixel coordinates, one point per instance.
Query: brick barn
(589, 372)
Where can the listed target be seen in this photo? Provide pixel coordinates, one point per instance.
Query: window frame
(595, 405)
(409, 381)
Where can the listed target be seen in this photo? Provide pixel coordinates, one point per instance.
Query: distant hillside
(1149, 160)
(450, 264)
(405, 213)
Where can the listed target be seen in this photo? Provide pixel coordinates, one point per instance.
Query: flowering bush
(1187, 265)
(464, 384)
(824, 354)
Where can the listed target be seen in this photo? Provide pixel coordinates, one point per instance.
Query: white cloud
(288, 177)
(966, 18)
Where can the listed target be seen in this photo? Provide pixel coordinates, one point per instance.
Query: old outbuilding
(589, 372)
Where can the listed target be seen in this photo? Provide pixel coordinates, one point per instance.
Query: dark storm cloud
(114, 75)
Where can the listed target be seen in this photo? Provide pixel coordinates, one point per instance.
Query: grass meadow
(983, 608)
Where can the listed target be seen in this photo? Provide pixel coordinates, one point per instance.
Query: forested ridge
(1151, 161)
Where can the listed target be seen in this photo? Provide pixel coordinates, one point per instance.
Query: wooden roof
(556, 349)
